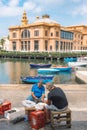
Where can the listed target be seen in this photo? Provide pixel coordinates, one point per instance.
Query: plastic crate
(14, 113)
(1, 111)
(37, 120)
(6, 106)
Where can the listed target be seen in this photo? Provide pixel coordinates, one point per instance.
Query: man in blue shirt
(37, 92)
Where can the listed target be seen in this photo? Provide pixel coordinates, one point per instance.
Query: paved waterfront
(76, 94)
(81, 76)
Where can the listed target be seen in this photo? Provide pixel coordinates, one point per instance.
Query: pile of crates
(61, 118)
(4, 107)
(37, 119)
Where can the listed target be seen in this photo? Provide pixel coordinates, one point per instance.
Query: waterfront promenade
(81, 76)
(76, 94)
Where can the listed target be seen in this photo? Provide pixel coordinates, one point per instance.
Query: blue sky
(65, 12)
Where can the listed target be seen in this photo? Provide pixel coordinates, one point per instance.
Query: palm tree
(8, 37)
(2, 41)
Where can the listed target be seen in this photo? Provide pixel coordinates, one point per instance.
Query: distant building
(6, 45)
(46, 35)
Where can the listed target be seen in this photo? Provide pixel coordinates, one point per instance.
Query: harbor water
(12, 70)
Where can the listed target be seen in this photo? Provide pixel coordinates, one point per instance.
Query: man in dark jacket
(56, 99)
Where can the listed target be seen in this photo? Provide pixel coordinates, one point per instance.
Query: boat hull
(62, 69)
(40, 65)
(36, 79)
(70, 59)
(77, 64)
(48, 71)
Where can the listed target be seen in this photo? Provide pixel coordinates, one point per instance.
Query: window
(57, 34)
(14, 35)
(46, 45)
(25, 34)
(66, 35)
(50, 48)
(71, 46)
(56, 46)
(46, 33)
(51, 34)
(61, 44)
(36, 45)
(14, 46)
(81, 38)
(64, 45)
(28, 45)
(21, 45)
(36, 33)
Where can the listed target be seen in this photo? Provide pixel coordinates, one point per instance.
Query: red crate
(1, 111)
(6, 106)
(29, 114)
(37, 119)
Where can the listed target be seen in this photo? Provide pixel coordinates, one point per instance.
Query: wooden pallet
(61, 118)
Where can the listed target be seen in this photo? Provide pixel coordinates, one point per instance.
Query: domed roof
(45, 19)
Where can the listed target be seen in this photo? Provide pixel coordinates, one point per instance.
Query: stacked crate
(61, 118)
(37, 120)
(4, 107)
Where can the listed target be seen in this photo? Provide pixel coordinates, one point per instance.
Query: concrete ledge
(81, 77)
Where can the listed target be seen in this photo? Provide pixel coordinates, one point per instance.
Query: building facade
(46, 35)
(6, 44)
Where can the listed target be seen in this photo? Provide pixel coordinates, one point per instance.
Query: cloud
(50, 2)
(12, 8)
(76, 1)
(13, 2)
(10, 11)
(39, 9)
(80, 10)
(29, 5)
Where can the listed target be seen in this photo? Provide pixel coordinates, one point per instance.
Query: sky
(65, 12)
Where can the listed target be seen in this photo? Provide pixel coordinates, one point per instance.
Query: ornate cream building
(46, 35)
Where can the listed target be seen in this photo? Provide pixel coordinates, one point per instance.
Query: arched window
(25, 34)
(46, 45)
(36, 45)
(14, 46)
(56, 45)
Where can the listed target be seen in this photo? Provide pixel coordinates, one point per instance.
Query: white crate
(38, 129)
(14, 113)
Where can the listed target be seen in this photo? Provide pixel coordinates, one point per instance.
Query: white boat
(81, 62)
(82, 59)
(76, 64)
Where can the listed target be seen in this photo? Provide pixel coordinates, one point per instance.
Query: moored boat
(48, 71)
(82, 59)
(40, 65)
(77, 64)
(63, 68)
(70, 59)
(36, 79)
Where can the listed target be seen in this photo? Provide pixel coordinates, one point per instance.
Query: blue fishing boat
(48, 71)
(40, 65)
(70, 59)
(36, 79)
(63, 68)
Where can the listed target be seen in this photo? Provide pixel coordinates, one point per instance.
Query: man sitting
(56, 99)
(37, 92)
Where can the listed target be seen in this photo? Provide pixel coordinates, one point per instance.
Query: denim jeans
(30, 98)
